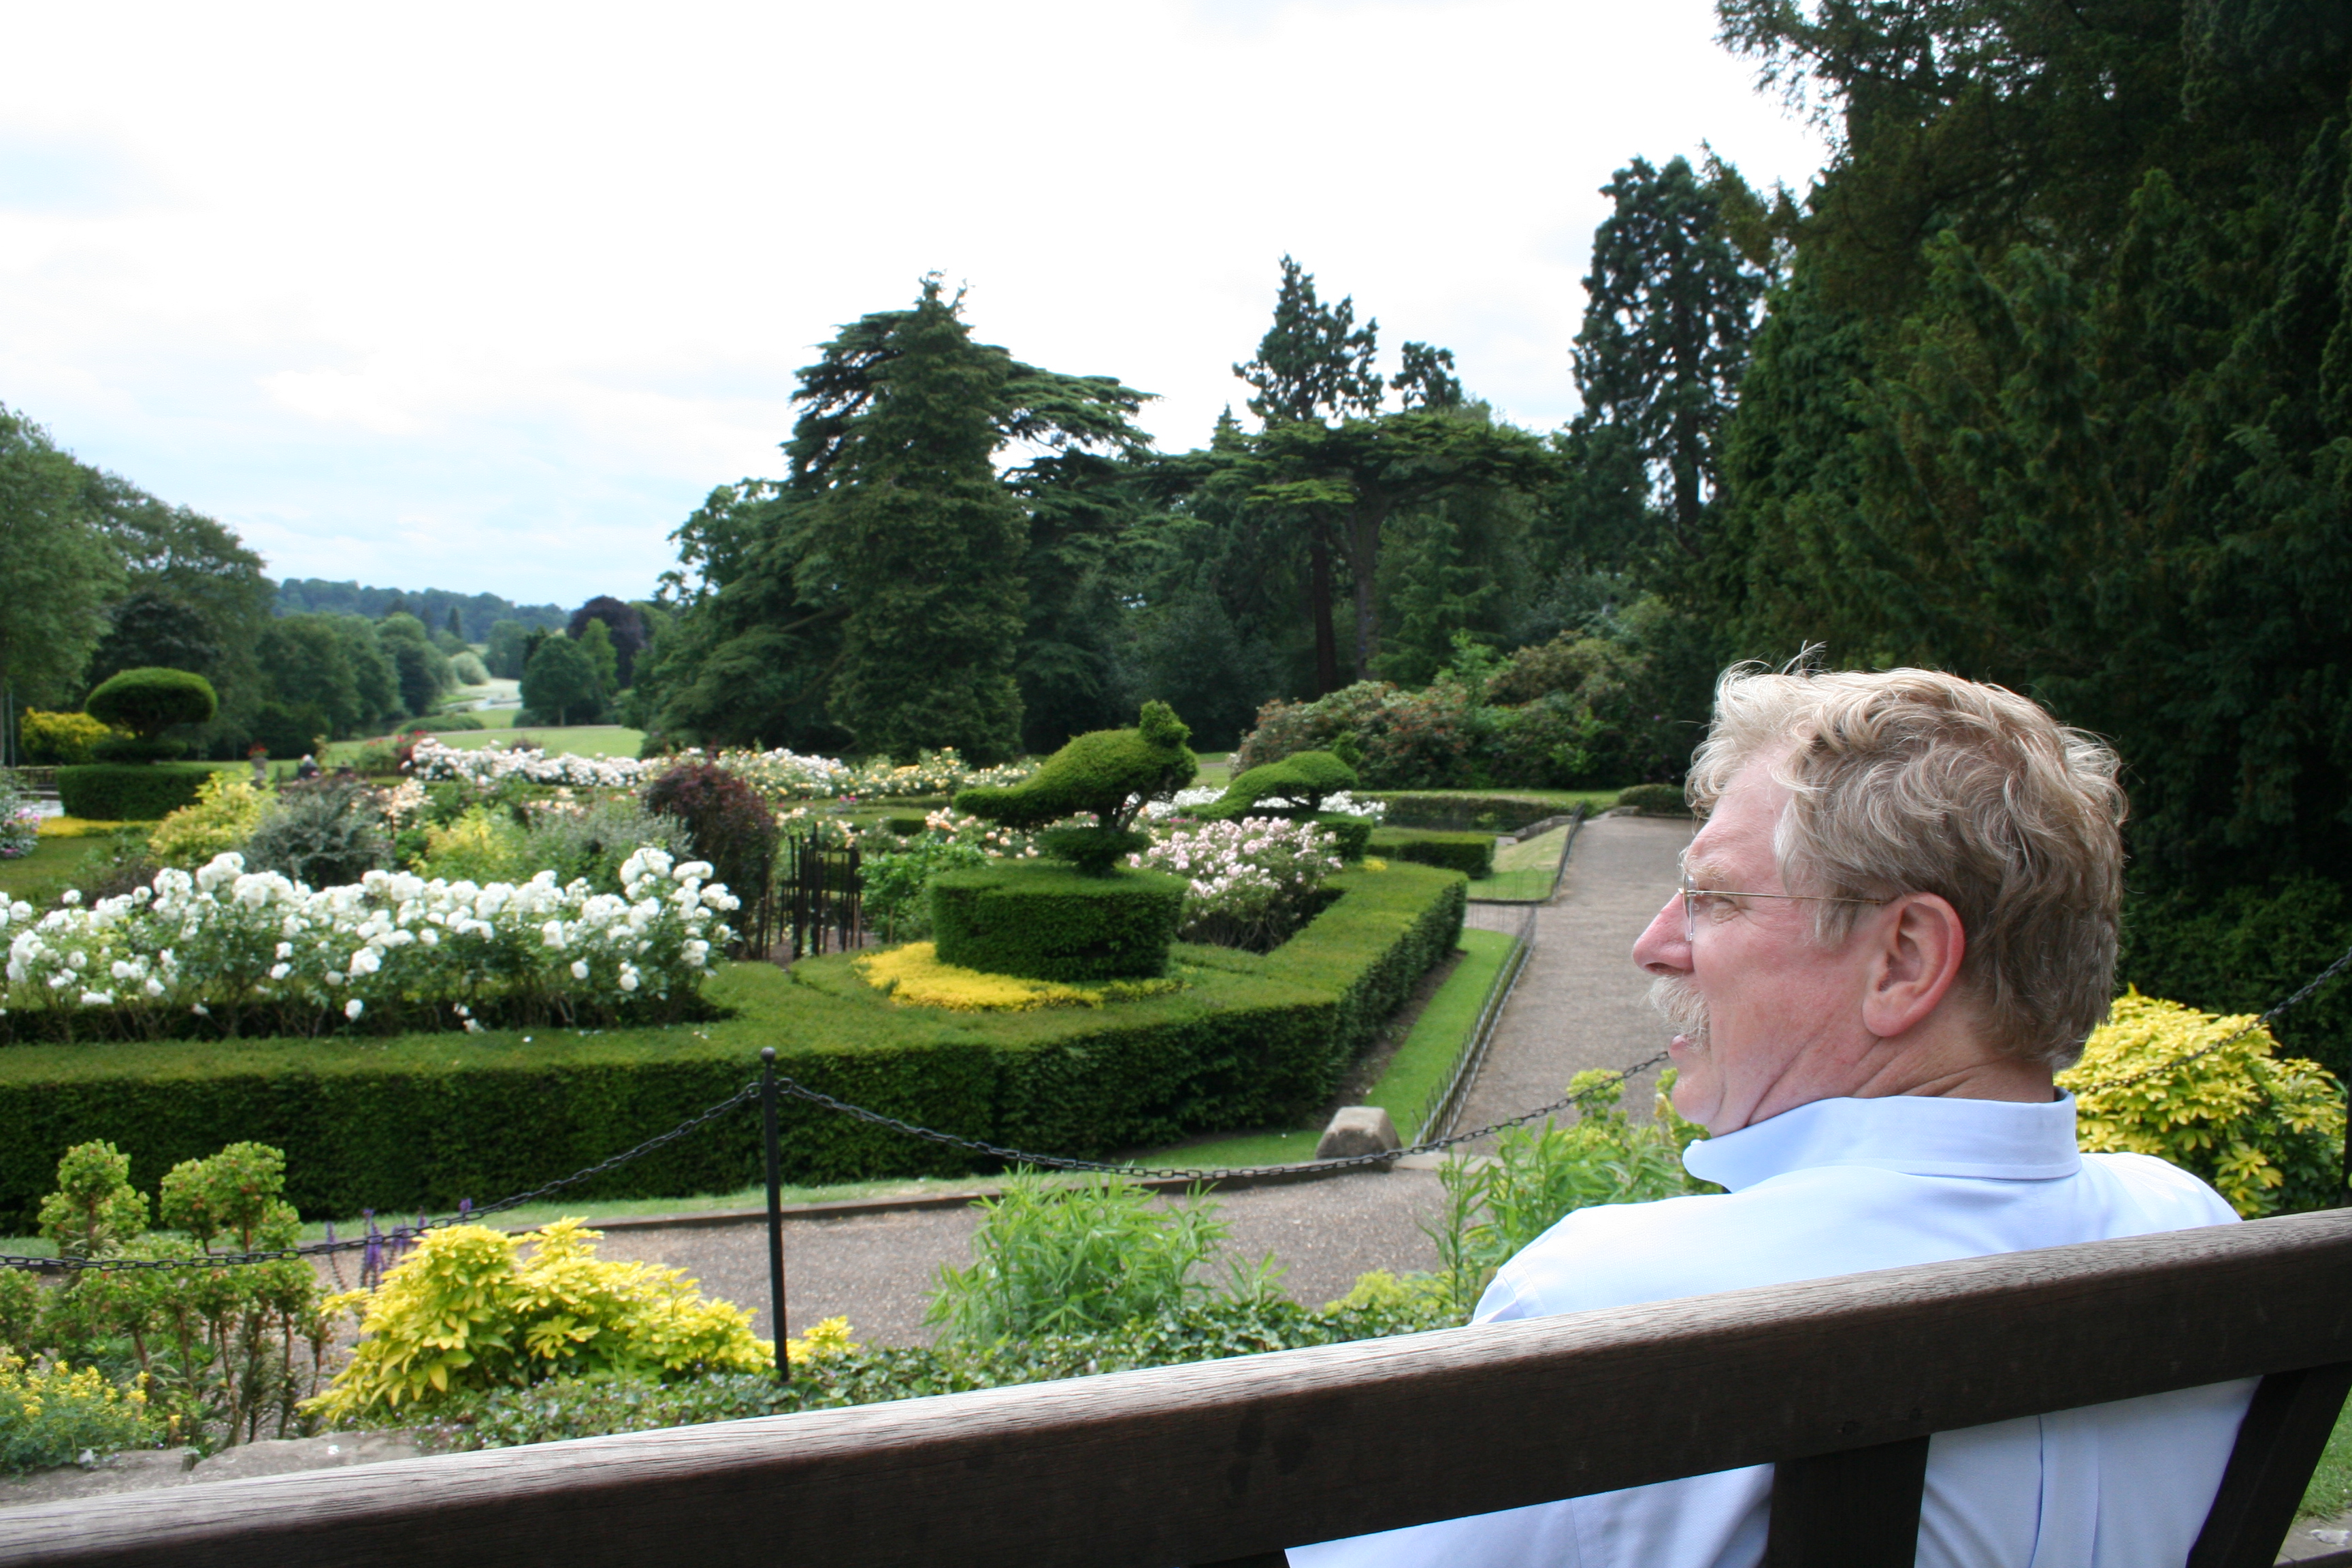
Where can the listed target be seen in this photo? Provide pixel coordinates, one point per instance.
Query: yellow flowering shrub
(469, 1309)
(54, 738)
(52, 1413)
(830, 1337)
(475, 847)
(913, 976)
(2266, 1131)
(226, 810)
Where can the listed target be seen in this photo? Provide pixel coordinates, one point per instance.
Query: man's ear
(1914, 963)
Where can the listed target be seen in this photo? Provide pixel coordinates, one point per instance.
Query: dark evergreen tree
(621, 623)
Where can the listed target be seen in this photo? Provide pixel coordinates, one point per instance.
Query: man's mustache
(1676, 997)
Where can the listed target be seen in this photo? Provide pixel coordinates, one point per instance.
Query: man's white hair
(1916, 781)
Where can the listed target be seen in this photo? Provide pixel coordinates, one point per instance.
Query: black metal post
(775, 1210)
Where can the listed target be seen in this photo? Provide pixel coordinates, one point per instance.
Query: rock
(284, 1455)
(1358, 1130)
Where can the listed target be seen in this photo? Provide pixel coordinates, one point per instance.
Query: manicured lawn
(1524, 872)
(50, 859)
(580, 739)
(1420, 1065)
(1429, 1051)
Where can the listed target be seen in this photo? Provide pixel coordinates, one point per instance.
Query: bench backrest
(1839, 1380)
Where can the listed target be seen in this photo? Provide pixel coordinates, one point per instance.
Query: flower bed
(1247, 884)
(781, 774)
(225, 951)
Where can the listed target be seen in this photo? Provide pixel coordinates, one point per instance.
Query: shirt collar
(1921, 1135)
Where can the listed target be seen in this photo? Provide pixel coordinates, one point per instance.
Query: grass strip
(1438, 1036)
(1420, 1065)
(2330, 1492)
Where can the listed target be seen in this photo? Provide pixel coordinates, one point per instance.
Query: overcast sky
(487, 297)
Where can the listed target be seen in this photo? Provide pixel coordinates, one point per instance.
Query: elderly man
(1898, 922)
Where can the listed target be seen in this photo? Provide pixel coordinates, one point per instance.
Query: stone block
(1358, 1130)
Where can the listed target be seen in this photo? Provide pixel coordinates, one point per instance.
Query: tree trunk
(1364, 562)
(1327, 641)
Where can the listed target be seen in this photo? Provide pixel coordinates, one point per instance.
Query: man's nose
(1662, 948)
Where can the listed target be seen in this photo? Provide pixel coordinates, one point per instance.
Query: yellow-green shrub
(227, 809)
(60, 738)
(467, 1309)
(2266, 1131)
(475, 847)
(913, 976)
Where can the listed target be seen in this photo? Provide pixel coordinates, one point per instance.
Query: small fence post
(775, 1210)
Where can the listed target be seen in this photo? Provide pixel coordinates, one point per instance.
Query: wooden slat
(1206, 1463)
(2279, 1444)
(1857, 1509)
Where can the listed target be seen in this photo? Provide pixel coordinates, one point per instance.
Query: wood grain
(1222, 1460)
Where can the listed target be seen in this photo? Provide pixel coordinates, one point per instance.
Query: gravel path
(877, 1270)
(1581, 1003)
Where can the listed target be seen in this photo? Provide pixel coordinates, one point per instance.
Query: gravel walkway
(1581, 1003)
(877, 1270)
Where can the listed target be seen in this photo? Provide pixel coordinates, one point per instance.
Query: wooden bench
(1840, 1382)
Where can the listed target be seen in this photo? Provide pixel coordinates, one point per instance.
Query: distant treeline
(478, 612)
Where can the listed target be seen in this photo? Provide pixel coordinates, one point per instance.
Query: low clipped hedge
(1459, 811)
(1655, 800)
(1044, 920)
(1472, 854)
(129, 792)
(418, 1123)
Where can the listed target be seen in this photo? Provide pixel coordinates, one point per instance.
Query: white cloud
(489, 297)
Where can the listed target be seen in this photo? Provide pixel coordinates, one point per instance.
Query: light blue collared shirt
(1841, 1186)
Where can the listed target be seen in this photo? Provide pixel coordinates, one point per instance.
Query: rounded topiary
(1047, 921)
(150, 701)
(1107, 772)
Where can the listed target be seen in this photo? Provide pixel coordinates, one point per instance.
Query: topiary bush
(150, 700)
(1056, 922)
(1301, 780)
(1109, 773)
(1472, 854)
(120, 792)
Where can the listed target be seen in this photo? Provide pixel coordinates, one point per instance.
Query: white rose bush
(1248, 884)
(224, 950)
(781, 774)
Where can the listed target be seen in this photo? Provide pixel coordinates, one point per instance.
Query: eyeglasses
(1690, 896)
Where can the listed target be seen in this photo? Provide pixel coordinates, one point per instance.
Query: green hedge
(1655, 800)
(1472, 854)
(421, 1121)
(1047, 921)
(128, 792)
(1458, 810)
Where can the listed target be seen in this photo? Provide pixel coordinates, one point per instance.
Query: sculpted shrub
(472, 1308)
(2266, 1131)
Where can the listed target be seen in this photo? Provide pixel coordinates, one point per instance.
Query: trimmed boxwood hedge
(421, 1121)
(1462, 812)
(1044, 920)
(128, 792)
(1472, 854)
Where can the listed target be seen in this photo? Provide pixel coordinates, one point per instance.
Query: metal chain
(402, 1234)
(1214, 1173)
(2261, 1021)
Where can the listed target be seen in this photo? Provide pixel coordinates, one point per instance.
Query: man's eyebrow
(1703, 872)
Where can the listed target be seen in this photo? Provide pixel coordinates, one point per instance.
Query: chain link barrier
(1615, 1081)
